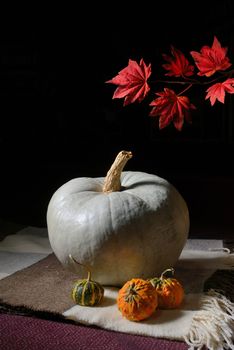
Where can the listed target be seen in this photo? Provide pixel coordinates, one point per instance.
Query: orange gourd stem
(112, 180)
(167, 270)
(76, 262)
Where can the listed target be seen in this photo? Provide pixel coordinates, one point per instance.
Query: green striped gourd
(87, 292)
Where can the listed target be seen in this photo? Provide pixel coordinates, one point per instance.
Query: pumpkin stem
(167, 270)
(112, 181)
(76, 262)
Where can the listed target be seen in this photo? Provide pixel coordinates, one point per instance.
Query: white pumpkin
(138, 230)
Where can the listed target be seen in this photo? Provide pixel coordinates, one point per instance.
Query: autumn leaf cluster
(210, 64)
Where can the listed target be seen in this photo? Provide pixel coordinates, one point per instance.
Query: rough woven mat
(34, 283)
(44, 289)
(50, 335)
(44, 286)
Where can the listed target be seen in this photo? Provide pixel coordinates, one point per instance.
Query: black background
(58, 119)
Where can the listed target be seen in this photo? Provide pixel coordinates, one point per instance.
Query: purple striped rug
(29, 333)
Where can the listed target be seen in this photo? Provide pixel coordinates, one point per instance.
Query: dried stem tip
(167, 270)
(112, 181)
(78, 263)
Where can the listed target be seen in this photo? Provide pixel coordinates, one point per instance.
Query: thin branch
(188, 87)
(190, 81)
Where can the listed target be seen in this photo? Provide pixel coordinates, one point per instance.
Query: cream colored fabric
(27, 240)
(23, 249)
(194, 322)
(162, 324)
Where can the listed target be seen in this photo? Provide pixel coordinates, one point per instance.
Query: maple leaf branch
(134, 81)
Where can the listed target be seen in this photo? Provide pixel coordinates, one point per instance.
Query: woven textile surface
(41, 287)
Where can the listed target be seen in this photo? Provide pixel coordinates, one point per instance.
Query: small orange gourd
(137, 299)
(170, 291)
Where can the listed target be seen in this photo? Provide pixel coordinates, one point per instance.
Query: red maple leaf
(132, 82)
(177, 65)
(171, 108)
(211, 59)
(217, 91)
